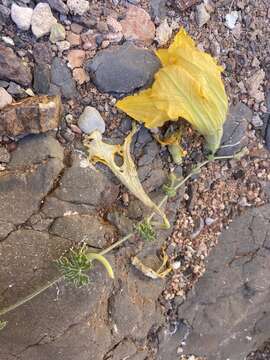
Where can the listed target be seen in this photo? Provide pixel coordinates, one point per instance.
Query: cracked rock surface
(50, 202)
(229, 310)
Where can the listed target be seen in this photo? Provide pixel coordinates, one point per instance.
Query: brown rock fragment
(33, 115)
(138, 25)
(12, 68)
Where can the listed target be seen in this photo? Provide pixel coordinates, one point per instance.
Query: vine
(74, 267)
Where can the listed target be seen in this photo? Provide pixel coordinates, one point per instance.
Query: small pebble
(58, 33)
(76, 58)
(257, 121)
(231, 19)
(202, 16)
(91, 120)
(8, 40)
(4, 155)
(63, 45)
(22, 16)
(5, 98)
(80, 76)
(42, 20)
(78, 7)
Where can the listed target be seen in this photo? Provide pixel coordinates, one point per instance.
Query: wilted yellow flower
(189, 86)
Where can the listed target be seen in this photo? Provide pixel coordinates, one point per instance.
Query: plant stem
(114, 245)
(7, 309)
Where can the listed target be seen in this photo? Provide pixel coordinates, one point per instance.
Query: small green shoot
(146, 231)
(79, 261)
(169, 188)
(2, 324)
(74, 266)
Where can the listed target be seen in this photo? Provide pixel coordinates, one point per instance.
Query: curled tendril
(146, 231)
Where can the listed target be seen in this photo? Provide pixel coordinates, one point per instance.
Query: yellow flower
(188, 86)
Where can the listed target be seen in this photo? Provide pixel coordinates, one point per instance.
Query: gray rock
(54, 208)
(267, 135)
(202, 15)
(170, 338)
(64, 327)
(61, 76)
(57, 5)
(121, 222)
(124, 69)
(5, 229)
(82, 185)
(158, 9)
(42, 78)
(22, 16)
(230, 305)
(4, 84)
(91, 120)
(12, 68)
(42, 20)
(256, 121)
(124, 350)
(42, 53)
(235, 130)
(15, 89)
(86, 228)
(128, 317)
(4, 14)
(30, 175)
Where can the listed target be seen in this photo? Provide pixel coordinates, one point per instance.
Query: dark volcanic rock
(42, 78)
(12, 68)
(235, 129)
(125, 308)
(87, 186)
(61, 76)
(124, 69)
(30, 175)
(42, 53)
(75, 323)
(229, 309)
(87, 228)
(4, 14)
(31, 116)
(158, 9)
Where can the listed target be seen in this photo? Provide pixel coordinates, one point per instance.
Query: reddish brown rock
(80, 76)
(76, 58)
(33, 115)
(138, 25)
(73, 39)
(89, 40)
(12, 68)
